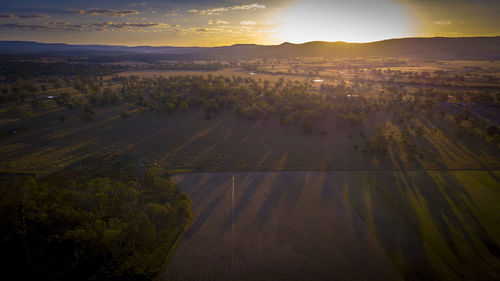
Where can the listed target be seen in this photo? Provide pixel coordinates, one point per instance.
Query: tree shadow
(426, 223)
(206, 200)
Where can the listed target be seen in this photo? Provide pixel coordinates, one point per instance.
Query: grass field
(187, 141)
(345, 225)
(435, 225)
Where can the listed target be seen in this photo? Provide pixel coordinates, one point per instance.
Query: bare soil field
(287, 226)
(344, 225)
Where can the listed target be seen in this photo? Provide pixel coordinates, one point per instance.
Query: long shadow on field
(428, 223)
(452, 211)
(458, 149)
(493, 175)
(439, 196)
(396, 225)
(282, 195)
(200, 219)
(456, 192)
(206, 201)
(251, 185)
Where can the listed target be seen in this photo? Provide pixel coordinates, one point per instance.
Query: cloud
(7, 16)
(216, 22)
(24, 16)
(47, 26)
(104, 12)
(33, 16)
(442, 22)
(217, 11)
(98, 26)
(249, 7)
(172, 13)
(219, 30)
(139, 4)
(124, 24)
(248, 22)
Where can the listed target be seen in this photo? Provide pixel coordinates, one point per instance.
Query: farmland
(200, 121)
(348, 225)
(345, 168)
(287, 226)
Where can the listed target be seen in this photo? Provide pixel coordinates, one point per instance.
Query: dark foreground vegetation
(73, 226)
(14, 70)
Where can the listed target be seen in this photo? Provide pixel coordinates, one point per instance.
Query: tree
(210, 106)
(72, 231)
(125, 114)
(492, 130)
(241, 164)
(482, 97)
(183, 106)
(442, 114)
(62, 118)
(170, 107)
(442, 96)
(286, 120)
(88, 114)
(158, 215)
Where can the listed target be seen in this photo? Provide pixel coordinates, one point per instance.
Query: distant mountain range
(437, 48)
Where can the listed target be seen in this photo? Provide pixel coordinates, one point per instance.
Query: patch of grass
(433, 224)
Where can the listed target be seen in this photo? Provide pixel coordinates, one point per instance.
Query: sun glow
(349, 21)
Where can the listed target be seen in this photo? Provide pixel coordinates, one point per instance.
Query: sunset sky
(227, 22)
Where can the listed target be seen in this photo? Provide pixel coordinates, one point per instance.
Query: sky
(228, 22)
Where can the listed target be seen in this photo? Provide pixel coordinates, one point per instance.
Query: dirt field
(359, 225)
(288, 226)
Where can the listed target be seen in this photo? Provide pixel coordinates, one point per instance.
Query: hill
(481, 48)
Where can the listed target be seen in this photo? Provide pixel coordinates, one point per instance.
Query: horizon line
(236, 44)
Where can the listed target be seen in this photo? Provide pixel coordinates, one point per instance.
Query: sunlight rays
(356, 21)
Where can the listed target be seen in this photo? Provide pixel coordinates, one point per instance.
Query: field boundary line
(335, 170)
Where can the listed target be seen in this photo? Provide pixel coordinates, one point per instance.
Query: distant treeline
(13, 70)
(186, 66)
(290, 103)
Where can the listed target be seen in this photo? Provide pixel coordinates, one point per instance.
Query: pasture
(187, 141)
